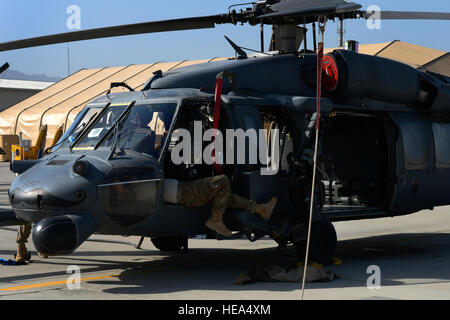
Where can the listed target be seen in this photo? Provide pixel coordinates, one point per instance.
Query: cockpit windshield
(143, 129)
(81, 121)
(101, 127)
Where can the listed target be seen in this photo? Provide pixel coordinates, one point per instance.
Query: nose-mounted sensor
(80, 195)
(80, 167)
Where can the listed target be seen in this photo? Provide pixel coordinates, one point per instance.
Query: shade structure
(60, 103)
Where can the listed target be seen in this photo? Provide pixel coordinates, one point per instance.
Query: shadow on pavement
(400, 256)
(422, 256)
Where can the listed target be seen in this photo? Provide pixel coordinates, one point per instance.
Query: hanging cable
(321, 24)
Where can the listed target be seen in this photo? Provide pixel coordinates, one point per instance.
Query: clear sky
(24, 18)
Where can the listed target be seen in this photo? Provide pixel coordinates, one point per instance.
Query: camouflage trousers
(23, 233)
(214, 190)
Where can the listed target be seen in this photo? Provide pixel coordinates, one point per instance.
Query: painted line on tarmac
(53, 283)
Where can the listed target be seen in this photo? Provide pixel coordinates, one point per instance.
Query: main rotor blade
(115, 31)
(3, 68)
(405, 15)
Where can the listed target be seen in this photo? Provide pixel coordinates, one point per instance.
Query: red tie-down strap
(217, 107)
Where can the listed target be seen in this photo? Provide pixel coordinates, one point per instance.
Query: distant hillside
(17, 75)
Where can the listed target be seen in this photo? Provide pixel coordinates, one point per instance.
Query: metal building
(15, 91)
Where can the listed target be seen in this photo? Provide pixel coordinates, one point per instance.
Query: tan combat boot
(264, 210)
(21, 255)
(216, 223)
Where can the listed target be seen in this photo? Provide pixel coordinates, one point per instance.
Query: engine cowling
(349, 74)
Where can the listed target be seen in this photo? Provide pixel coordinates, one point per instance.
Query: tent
(60, 103)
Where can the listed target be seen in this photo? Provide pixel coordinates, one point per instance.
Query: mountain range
(17, 75)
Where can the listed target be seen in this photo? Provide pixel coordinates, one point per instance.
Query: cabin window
(414, 145)
(441, 132)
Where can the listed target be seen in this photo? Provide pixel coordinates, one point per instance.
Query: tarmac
(411, 253)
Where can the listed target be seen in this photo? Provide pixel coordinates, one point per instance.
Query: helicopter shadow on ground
(199, 269)
(421, 256)
(400, 257)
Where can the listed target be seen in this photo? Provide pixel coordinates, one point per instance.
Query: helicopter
(382, 147)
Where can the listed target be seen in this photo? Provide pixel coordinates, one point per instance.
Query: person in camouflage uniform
(217, 191)
(22, 237)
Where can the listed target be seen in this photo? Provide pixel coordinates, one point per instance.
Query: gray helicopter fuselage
(384, 149)
(51, 187)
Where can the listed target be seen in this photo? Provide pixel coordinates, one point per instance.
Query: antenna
(262, 36)
(341, 31)
(241, 53)
(68, 59)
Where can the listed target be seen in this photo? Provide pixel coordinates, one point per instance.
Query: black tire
(171, 244)
(323, 243)
(300, 250)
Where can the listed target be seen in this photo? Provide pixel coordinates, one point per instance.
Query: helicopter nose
(56, 186)
(41, 201)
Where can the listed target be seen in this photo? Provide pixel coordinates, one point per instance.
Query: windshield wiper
(116, 141)
(119, 121)
(88, 125)
(82, 126)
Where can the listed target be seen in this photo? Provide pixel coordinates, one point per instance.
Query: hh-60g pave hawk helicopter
(384, 147)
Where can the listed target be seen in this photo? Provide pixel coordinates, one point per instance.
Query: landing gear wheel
(323, 243)
(173, 244)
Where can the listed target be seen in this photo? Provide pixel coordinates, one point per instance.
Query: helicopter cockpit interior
(140, 128)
